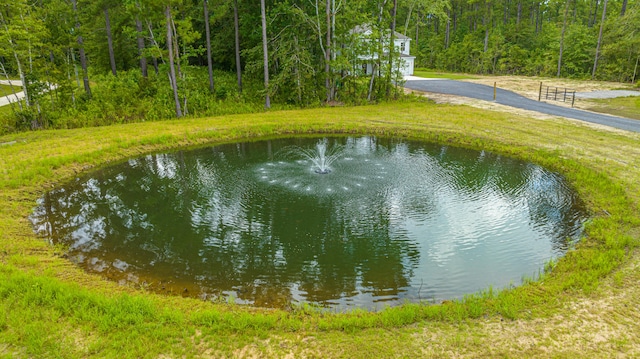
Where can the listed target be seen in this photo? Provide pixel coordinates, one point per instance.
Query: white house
(402, 45)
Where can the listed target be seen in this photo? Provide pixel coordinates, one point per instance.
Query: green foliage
(129, 97)
(523, 39)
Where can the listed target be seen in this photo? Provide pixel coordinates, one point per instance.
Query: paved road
(11, 98)
(504, 97)
(17, 86)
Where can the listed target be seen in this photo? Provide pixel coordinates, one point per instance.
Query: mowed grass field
(622, 106)
(584, 305)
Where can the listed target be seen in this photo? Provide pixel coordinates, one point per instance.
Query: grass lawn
(428, 73)
(586, 305)
(622, 106)
(5, 90)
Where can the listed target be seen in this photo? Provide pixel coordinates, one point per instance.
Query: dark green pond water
(392, 221)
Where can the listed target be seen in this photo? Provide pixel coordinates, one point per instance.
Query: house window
(364, 68)
(402, 47)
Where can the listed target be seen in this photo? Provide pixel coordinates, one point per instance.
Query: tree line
(596, 39)
(94, 62)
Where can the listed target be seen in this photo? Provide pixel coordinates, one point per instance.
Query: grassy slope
(5, 90)
(588, 305)
(622, 106)
(431, 74)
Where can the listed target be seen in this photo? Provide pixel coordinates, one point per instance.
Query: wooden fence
(557, 94)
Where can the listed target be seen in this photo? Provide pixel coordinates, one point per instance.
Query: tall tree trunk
(624, 7)
(236, 26)
(208, 37)
(406, 22)
(112, 56)
(454, 16)
(155, 43)
(172, 68)
(418, 30)
(486, 20)
(592, 19)
(140, 40)
(564, 28)
(392, 46)
(447, 31)
(595, 61)
(263, 12)
(327, 53)
(296, 70)
(505, 15)
(635, 71)
(372, 80)
(83, 56)
(378, 63)
(75, 66)
(537, 18)
(176, 49)
(333, 34)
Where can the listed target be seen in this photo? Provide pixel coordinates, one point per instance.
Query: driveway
(17, 86)
(508, 98)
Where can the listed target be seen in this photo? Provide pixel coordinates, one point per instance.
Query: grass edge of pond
(42, 289)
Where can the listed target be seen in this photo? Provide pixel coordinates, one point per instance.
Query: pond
(340, 222)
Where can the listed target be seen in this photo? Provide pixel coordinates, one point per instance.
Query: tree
(392, 47)
(208, 37)
(595, 61)
(564, 29)
(172, 69)
(327, 53)
(236, 29)
(141, 48)
(112, 56)
(83, 56)
(265, 54)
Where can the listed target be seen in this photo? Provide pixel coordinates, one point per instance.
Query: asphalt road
(504, 97)
(17, 86)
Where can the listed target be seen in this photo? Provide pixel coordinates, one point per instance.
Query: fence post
(540, 92)
(573, 100)
(494, 90)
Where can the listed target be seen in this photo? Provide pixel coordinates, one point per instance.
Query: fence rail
(557, 94)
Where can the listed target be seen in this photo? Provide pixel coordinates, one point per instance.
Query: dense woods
(99, 62)
(597, 39)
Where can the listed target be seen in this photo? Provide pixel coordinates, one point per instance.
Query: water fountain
(321, 155)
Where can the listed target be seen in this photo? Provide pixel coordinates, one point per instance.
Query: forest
(89, 63)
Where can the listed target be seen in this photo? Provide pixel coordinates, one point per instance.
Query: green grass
(5, 90)
(622, 106)
(432, 74)
(50, 308)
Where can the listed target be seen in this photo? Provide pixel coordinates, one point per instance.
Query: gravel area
(607, 94)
